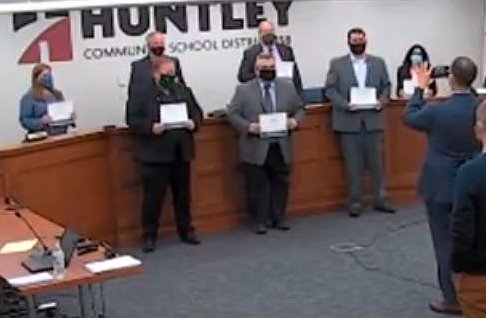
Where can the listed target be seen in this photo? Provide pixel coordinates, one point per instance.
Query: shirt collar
(262, 84)
(354, 59)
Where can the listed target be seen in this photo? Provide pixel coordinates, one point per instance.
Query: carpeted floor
(298, 274)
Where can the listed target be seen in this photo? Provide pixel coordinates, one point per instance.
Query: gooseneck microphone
(14, 206)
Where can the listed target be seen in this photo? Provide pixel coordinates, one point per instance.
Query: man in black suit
(163, 152)
(268, 44)
(141, 70)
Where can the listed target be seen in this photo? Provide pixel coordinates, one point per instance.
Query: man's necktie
(269, 106)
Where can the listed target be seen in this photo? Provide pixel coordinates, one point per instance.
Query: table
(14, 229)
(89, 181)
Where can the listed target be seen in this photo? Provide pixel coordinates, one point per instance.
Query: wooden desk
(14, 229)
(89, 181)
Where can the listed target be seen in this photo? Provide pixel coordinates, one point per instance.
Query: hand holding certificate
(363, 98)
(273, 125)
(60, 111)
(174, 115)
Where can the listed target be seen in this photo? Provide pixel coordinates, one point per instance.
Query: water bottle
(59, 265)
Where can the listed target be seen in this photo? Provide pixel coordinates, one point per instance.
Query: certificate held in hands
(363, 97)
(173, 115)
(60, 111)
(273, 125)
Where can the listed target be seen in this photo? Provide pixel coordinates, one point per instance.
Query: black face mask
(269, 39)
(268, 75)
(357, 49)
(166, 81)
(158, 50)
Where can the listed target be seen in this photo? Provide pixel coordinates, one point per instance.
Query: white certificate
(60, 111)
(173, 114)
(409, 87)
(363, 97)
(273, 125)
(285, 69)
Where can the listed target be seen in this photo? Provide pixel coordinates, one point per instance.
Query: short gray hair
(150, 35)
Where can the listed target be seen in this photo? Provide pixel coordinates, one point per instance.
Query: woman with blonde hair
(34, 115)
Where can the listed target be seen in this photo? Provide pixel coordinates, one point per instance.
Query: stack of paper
(18, 247)
(113, 264)
(30, 279)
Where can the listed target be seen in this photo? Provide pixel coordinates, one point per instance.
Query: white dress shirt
(360, 70)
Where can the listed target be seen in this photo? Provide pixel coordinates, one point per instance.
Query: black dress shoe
(282, 226)
(384, 208)
(190, 239)
(355, 211)
(260, 229)
(148, 245)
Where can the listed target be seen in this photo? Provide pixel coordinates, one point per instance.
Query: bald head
(464, 72)
(266, 30)
(156, 43)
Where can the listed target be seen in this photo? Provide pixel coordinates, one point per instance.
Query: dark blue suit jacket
(449, 126)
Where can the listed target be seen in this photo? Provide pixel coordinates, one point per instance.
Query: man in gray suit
(266, 157)
(360, 131)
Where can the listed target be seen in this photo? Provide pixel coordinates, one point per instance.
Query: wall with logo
(91, 50)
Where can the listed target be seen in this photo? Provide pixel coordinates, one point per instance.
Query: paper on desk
(273, 125)
(18, 247)
(173, 113)
(409, 86)
(113, 264)
(30, 279)
(285, 69)
(60, 110)
(363, 97)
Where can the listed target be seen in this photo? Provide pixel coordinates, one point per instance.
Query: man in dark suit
(360, 131)
(268, 44)
(451, 141)
(141, 70)
(266, 159)
(469, 228)
(163, 152)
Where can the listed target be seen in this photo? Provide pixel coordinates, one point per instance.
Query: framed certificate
(273, 125)
(363, 97)
(60, 111)
(173, 115)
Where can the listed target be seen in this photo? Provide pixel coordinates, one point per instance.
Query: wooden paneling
(89, 181)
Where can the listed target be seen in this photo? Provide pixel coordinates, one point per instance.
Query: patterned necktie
(269, 106)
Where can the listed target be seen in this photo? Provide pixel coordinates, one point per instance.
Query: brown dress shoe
(443, 307)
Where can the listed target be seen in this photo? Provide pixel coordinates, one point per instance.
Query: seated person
(34, 104)
(415, 56)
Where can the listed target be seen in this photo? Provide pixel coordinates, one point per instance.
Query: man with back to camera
(268, 44)
(469, 228)
(360, 130)
(451, 141)
(266, 159)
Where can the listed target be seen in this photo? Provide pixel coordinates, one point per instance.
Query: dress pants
(360, 150)
(471, 292)
(439, 216)
(267, 188)
(155, 179)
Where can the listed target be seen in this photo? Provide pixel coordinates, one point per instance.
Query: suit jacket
(247, 104)
(451, 140)
(143, 110)
(246, 71)
(340, 79)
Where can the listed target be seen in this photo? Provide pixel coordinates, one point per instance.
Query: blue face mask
(416, 59)
(47, 81)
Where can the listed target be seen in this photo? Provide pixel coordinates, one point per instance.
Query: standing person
(33, 114)
(164, 154)
(360, 131)
(267, 160)
(469, 228)
(268, 44)
(451, 141)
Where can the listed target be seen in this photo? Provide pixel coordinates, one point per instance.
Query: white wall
(447, 28)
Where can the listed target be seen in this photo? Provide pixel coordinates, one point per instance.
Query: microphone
(15, 206)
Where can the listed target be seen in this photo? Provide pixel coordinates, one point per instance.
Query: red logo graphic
(57, 37)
